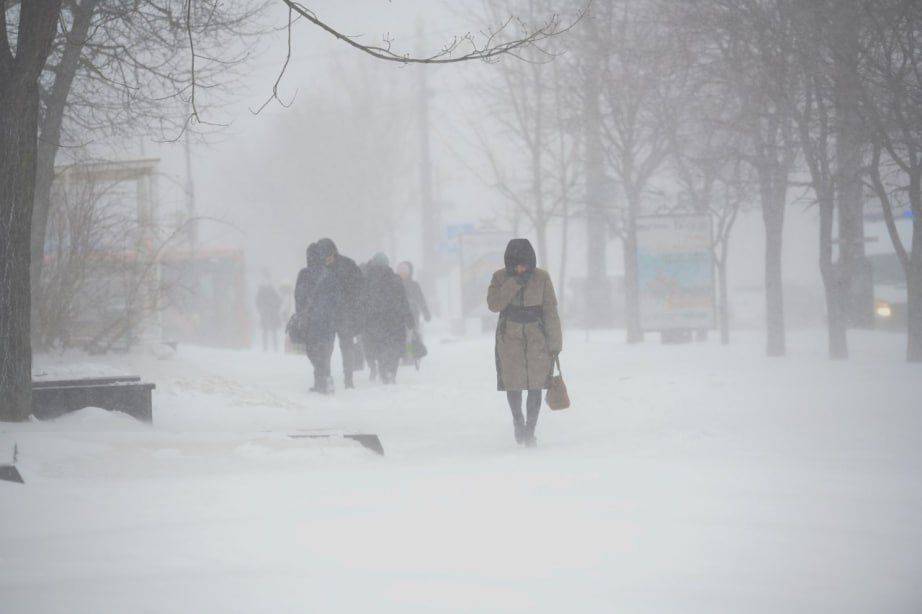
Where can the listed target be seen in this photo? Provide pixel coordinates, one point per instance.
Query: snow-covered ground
(684, 479)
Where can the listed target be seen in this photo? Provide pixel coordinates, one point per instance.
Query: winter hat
(313, 257)
(379, 259)
(520, 251)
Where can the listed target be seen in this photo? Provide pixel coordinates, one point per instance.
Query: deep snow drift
(685, 479)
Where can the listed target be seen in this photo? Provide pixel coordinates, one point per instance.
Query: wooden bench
(128, 394)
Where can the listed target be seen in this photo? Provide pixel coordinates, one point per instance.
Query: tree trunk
(836, 322)
(19, 106)
(50, 140)
(723, 306)
(44, 179)
(631, 282)
(541, 239)
(849, 192)
(564, 246)
(773, 216)
(914, 275)
(18, 117)
(914, 298)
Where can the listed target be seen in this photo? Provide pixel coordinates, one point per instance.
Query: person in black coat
(416, 348)
(415, 295)
(314, 301)
(387, 316)
(307, 277)
(342, 291)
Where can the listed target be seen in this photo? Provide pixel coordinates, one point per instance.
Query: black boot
(519, 431)
(514, 397)
(533, 407)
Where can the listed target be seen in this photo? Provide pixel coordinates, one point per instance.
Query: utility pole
(429, 210)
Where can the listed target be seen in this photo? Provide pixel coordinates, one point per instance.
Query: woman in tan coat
(528, 335)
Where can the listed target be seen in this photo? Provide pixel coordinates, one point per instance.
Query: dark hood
(313, 256)
(520, 251)
(326, 248)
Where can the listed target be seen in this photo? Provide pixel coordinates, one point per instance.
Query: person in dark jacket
(307, 277)
(528, 333)
(269, 306)
(313, 301)
(415, 296)
(345, 290)
(419, 308)
(387, 316)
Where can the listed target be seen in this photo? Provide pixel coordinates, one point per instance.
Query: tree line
(726, 104)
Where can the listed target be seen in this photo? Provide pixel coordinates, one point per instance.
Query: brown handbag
(557, 397)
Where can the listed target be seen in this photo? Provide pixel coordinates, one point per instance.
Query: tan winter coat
(524, 352)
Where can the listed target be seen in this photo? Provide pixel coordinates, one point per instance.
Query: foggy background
(343, 160)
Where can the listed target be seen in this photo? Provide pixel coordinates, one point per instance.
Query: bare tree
(565, 146)
(531, 109)
(80, 231)
(588, 64)
(892, 102)
(752, 56)
(823, 98)
(704, 153)
(119, 69)
(636, 94)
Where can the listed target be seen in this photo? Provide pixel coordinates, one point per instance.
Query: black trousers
(383, 357)
(388, 361)
(348, 350)
(533, 408)
(320, 351)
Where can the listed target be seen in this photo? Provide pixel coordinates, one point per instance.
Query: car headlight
(883, 309)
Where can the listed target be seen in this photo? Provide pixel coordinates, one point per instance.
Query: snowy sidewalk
(685, 479)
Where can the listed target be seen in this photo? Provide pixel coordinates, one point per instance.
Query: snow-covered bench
(127, 394)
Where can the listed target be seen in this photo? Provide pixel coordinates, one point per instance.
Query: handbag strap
(556, 362)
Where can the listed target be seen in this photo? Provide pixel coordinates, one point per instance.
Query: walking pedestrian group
(375, 313)
(365, 308)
